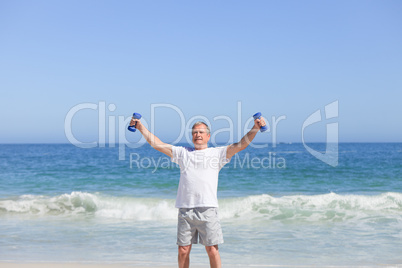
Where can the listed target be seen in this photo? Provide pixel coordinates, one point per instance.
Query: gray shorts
(202, 223)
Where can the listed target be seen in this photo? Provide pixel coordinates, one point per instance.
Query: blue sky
(206, 58)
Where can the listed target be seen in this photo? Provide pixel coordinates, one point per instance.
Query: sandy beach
(134, 265)
(83, 265)
(59, 265)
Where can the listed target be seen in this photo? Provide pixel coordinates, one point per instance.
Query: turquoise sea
(278, 206)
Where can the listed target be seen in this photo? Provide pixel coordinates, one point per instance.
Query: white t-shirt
(199, 170)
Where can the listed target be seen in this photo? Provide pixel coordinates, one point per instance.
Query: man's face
(200, 136)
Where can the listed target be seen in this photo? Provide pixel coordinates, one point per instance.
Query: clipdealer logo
(110, 125)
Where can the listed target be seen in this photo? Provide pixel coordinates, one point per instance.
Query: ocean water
(278, 206)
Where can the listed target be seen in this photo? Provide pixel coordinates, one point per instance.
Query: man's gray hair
(201, 123)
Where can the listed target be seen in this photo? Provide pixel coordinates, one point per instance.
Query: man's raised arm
(154, 141)
(246, 140)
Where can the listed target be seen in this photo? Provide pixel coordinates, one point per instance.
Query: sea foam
(325, 207)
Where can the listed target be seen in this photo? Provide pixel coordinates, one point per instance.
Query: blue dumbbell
(136, 116)
(258, 116)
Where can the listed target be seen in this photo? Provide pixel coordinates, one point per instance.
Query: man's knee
(184, 250)
(212, 250)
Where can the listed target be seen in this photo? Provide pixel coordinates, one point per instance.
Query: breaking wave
(311, 208)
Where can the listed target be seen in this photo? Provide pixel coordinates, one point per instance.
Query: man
(197, 193)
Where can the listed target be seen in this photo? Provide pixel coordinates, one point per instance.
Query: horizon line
(278, 143)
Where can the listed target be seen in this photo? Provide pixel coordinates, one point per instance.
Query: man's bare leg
(184, 256)
(214, 257)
